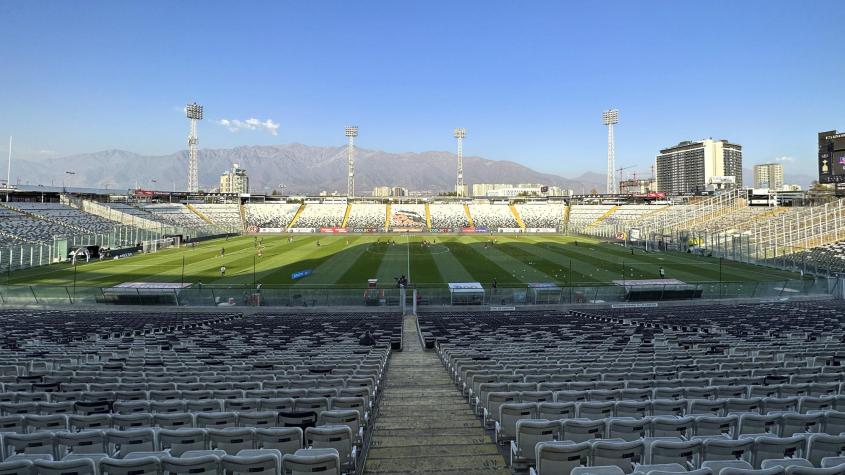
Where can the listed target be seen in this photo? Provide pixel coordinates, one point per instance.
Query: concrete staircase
(296, 216)
(199, 213)
(424, 425)
(346, 215)
(469, 216)
(427, 217)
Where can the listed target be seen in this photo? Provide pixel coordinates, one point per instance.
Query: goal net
(154, 245)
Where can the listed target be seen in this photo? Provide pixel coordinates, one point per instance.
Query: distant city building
(789, 187)
(637, 186)
(528, 189)
(768, 175)
(234, 180)
(385, 191)
(694, 167)
(481, 189)
(381, 191)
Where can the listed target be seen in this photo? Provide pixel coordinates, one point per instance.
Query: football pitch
(427, 260)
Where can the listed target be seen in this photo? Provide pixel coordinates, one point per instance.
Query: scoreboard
(831, 157)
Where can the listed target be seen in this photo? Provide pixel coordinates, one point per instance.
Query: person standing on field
(222, 271)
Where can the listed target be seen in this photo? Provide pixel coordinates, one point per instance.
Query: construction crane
(620, 176)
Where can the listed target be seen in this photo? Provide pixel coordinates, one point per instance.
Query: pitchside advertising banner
(540, 230)
(301, 230)
(270, 230)
(334, 230)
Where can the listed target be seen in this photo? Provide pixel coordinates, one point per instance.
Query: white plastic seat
(135, 466)
(672, 426)
(122, 443)
(231, 440)
(727, 449)
(560, 458)
(625, 455)
(684, 453)
(179, 441)
(203, 465)
(37, 443)
(717, 465)
(509, 415)
(216, 420)
(759, 424)
(338, 437)
(16, 467)
(581, 430)
(83, 466)
(174, 420)
(742, 471)
(287, 440)
(718, 426)
(266, 464)
(628, 428)
(820, 446)
(785, 463)
(776, 448)
(556, 410)
(595, 410)
(834, 470)
(527, 434)
(794, 423)
(598, 470)
(307, 462)
(85, 442)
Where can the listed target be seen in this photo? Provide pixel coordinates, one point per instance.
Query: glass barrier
(315, 296)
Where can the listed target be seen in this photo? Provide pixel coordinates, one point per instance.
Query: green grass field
(349, 260)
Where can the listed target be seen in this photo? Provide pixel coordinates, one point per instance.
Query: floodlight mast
(351, 133)
(460, 134)
(194, 113)
(610, 118)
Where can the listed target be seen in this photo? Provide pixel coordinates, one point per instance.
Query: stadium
(469, 315)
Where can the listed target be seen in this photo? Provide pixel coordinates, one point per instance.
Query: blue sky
(527, 79)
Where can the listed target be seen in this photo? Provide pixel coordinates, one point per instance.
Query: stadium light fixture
(194, 113)
(460, 134)
(351, 132)
(611, 118)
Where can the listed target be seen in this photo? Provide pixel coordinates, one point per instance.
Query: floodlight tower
(460, 134)
(351, 132)
(193, 112)
(609, 118)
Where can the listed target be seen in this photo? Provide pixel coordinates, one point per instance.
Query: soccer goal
(154, 245)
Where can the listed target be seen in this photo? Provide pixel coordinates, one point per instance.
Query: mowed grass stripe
(479, 266)
(522, 270)
(453, 258)
(575, 270)
(424, 269)
(330, 270)
(447, 264)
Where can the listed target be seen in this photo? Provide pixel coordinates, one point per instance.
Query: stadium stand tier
(366, 216)
(221, 214)
(190, 392)
(676, 389)
(174, 213)
(448, 216)
(542, 215)
(492, 216)
(270, 215)
(322, 215)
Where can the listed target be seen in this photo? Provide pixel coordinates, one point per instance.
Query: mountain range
(291, 168)
(299, 169)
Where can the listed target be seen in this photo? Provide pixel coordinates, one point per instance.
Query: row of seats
(731, 372)
(121, 447)
(643, 456)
